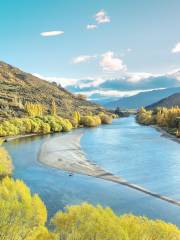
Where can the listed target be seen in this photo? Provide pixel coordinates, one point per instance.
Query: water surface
(125, 148)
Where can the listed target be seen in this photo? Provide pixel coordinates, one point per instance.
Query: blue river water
(136, 153)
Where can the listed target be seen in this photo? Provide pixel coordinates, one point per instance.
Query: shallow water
(125, 148)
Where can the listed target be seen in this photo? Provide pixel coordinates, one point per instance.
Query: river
(137, 153)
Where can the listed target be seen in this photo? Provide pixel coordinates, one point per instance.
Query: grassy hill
(18, 87)
(173, 100)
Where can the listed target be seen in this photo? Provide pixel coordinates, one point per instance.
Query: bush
(90, 121)
(5, 163)
(22, 215)
(86, 222)
(145, 117)
(106, 119)
(161, 116)
(45, 124)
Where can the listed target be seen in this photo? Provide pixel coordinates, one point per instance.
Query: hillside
(18, 87)
(143, 98)
(173, 100)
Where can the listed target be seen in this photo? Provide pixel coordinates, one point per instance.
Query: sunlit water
(136, 153)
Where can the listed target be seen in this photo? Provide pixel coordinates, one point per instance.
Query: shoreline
(11, 138)
(165, 134)
(64, 152)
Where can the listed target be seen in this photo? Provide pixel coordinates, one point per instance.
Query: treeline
(163, 117)
(36, 122)
(23, 216)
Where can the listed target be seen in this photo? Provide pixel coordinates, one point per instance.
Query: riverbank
(165, 134)
(64, 152)
(12, 138)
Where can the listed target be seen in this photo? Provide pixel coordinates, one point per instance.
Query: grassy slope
(17, 87)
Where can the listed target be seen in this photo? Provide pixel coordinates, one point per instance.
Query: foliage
(41, 125)
(105, 119)
(163, 117)
(77, 116)
(53, 108)
(34, 109)
(145, 117)
(5, 163)
(90, 121)
(85, 222)
(138, 228)
(22, 215)
(50, 123)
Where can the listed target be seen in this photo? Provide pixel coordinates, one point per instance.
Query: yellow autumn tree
(86, 222)
(77, 117)
(34, 109)
(5, 163)
(22, 215)
(53, 108)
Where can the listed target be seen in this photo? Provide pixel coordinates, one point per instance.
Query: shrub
(163, 117)
(5, 163)
(90, 121)
(22, 215)
(87, 222)
(34, 109)
(145, 117)
(106, 119)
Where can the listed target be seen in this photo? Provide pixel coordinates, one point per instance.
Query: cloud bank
(128, 84)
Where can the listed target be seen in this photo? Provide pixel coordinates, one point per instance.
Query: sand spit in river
(64, 152)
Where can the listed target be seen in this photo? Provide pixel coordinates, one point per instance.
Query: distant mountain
(18, 87)
(130, 90)
(143, 98)
(173, 100)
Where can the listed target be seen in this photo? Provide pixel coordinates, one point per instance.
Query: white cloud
(52, 33)
(60, 80)
(111, 63)
(176, 48)
(83, 58)
(139, 76)
(174, 73)
(101, 17)
(91, 26)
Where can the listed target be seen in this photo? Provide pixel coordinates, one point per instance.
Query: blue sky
(131, 36)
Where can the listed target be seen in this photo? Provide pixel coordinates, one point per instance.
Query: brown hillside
(18, 87)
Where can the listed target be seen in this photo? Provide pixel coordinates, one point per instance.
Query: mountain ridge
(143, 98)
(168, 102)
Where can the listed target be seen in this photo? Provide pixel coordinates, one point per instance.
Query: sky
(95, 40)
